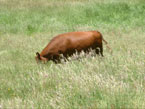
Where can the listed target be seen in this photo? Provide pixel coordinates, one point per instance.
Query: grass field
(116, 81)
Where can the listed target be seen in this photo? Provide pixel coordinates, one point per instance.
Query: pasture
(116, 81)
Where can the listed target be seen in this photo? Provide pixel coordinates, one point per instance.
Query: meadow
(116, 81)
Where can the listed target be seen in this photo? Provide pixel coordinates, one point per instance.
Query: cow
(67, 44)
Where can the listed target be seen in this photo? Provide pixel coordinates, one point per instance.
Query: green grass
(114, 82)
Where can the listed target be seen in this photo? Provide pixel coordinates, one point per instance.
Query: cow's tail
(106, 44)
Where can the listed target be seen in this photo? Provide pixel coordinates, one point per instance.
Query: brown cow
(69, 43)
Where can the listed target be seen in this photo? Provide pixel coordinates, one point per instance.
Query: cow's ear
(38, 55)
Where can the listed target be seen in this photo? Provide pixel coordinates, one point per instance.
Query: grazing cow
(69, 43)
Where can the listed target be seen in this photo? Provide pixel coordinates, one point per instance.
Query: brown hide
(69, 43)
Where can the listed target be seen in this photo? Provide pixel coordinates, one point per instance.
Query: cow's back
(72, 40)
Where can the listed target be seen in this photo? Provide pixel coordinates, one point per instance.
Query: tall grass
(114, 82)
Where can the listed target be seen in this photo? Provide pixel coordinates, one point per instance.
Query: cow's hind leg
(101, 50)
(97, 51)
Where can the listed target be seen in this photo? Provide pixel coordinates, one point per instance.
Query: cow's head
(40, 58)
